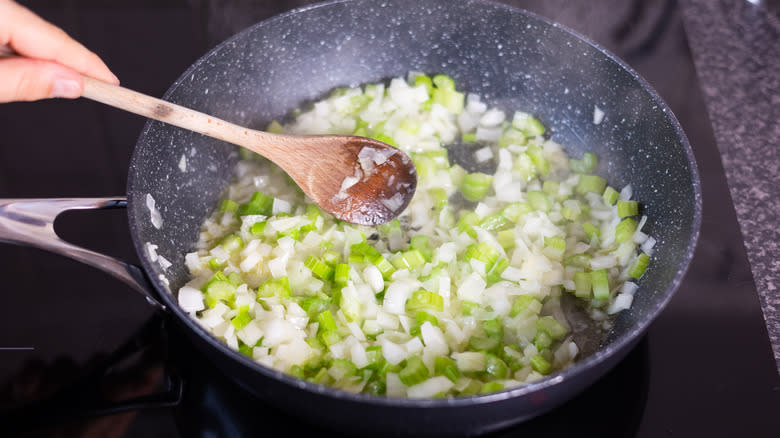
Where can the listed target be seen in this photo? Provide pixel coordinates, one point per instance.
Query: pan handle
(30, 222)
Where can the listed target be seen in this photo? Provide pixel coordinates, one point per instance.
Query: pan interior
(512, 59)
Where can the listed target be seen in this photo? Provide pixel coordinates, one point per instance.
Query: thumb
(32, 79)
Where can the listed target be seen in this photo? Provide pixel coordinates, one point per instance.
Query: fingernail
(66, 88)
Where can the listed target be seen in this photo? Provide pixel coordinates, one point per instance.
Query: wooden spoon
(356, 179)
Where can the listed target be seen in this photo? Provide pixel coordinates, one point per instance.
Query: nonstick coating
(514, 60)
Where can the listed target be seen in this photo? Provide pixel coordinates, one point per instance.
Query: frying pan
(513, 59)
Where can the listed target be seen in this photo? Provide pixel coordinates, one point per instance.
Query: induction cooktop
(82, 354)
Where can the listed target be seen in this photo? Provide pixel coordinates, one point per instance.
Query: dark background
(709, 367)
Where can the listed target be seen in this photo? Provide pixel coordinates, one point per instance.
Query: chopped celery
(514, 210)
(539, 201)
(600, 283)
(242, 318)
(275, 287)
(425, 300)
(551, 326)
(414, 372)
(587, 164)
(591, 184)
(496, 367)
(319, 268)
(528, 124)
(627, 208)
(259, 204)
(582, 281)
(445, 366)
(540, 364)
(610, 195)
(341, 274)
(624, 231)
(475, 186)
(638, 267)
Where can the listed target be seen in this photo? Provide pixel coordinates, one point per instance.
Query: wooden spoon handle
(163, 111)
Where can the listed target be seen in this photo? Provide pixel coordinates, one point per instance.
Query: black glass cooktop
(69, 334)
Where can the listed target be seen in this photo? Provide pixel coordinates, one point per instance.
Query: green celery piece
(314, 305)
(467, 221)
(525, 166)
(326, 321)
(232, 243)
(341, 368)
(414, 372)
(591, 183)
(514, 210)
(542, 340)
(242, 318)
(610, 195)
(489, 387)
(257, 228)
(496, 367)
(506, 238)
(319, 268)
(426, 166)
(439, 196)
(510, 137)
(600, 283)
(528, 124)
(260, 203)
(582, 282)
(445, 366)
(579, 260)
(484, 343)
(475, 186)
(539, 201)
(587, 164)
(639, 266)
(341, 274)
(627, 208)
(474, 387)
(495, 271)
(541, 163)
(375, 387)
(523, 302)
(228, 206)
(329, 337)
(469, 308)
(495, 222)
(592, 231)
(375, 358)
(625, 230)
(279, 287)
(425, 81)
(551, 188)
(540, 364)
(420, 243)
(551, 326)
(493, 328)
(425, 300)
(443, 82)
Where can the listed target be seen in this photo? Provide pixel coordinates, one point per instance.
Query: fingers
(33, 79)
(33, 37)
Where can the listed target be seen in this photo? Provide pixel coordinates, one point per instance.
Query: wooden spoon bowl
(356, 179)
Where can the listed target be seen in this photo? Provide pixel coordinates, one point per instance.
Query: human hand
(50, 63)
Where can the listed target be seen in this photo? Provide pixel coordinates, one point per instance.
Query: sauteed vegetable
(461, 294)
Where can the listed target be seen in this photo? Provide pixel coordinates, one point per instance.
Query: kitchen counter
(736, 49)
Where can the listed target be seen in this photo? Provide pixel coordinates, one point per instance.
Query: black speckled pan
(514, 60)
